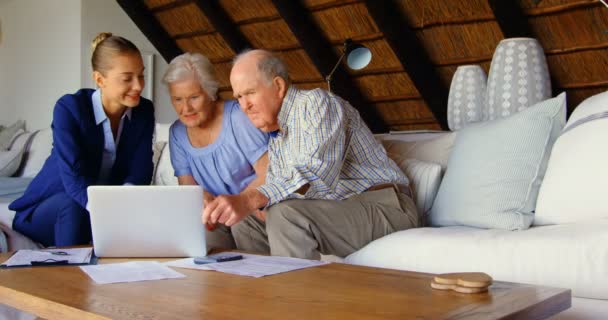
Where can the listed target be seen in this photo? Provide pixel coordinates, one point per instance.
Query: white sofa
(571, 256)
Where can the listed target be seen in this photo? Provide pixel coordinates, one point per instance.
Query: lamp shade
(357, 56)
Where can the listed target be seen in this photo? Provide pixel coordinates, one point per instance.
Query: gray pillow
(496, 168)
(8, 133)
(10, 161)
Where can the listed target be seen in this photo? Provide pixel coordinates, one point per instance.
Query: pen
(49, 262)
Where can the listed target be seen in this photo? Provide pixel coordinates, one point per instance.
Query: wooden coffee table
(334, 291)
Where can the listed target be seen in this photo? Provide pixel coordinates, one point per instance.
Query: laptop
(147, 221)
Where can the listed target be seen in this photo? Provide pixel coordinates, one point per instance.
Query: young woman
(213, 144)
(100, 137)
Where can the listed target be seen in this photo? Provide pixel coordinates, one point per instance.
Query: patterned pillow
(496, 168)
(424, 178)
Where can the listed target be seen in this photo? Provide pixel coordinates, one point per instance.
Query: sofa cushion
(568, 256)
(576, 181)
(496, 167)
(435, 150)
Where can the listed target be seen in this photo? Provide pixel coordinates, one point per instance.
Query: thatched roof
(416, 44)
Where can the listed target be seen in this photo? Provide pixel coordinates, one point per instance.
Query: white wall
(107, 16)
(39, 58)
(45, 53)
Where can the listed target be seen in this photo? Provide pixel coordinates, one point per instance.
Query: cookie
(464, 279)
(457, 288)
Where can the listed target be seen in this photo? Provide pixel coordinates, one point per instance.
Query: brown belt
(398, 188)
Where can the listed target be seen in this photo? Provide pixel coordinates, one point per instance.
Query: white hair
(187, 65)
(269, 65)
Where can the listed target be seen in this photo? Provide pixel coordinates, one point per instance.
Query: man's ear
(281, 85)
(99, 79)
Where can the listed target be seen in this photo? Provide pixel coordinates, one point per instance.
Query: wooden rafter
(412, 55)
(223, 24)
(151, 28)
(511, 19)
(319, 49)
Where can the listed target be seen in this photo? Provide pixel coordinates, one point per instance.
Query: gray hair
(269, 65)
(193, 64)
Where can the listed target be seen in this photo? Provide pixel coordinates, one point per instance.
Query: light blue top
(226, 165)
(110, 146)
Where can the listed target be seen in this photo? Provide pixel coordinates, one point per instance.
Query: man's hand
(230, 209)
(226, 209)
(261, 214)
(207, 199)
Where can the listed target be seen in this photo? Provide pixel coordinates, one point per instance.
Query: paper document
(130, 272)
(187, 263)
(251, 265)
(73, 256)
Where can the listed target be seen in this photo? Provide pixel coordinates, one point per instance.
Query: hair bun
(100, 37)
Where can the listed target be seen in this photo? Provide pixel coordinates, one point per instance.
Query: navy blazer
(78, 145)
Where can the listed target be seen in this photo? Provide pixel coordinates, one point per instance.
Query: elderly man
(330, 187)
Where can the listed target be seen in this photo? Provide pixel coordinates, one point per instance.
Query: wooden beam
(151, 28)
(511, 19)
(223, 24)
(561, 8)
(320, 51)
(412, 55)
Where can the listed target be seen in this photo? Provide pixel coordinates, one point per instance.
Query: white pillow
(425, 178)
(575, 185)
(164, 175)
(496, 168)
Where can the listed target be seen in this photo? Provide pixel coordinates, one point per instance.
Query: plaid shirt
(323, 142)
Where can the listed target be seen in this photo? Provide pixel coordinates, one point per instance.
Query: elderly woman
(213, 144)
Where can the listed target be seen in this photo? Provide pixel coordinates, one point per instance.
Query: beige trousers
(309, 228)
(219, 239)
